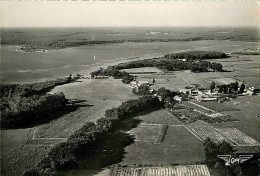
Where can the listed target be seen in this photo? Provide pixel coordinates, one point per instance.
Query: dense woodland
(57, 38)
(197, 55)
(65, 155)
(28, 104)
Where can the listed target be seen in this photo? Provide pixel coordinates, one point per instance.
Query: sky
(129, 13)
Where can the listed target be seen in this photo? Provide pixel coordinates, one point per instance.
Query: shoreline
(92, 67)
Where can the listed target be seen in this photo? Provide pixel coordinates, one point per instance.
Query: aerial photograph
(130, 88)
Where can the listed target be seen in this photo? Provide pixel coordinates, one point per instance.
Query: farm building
(185, 91)
(139, 83)
(178, 98)
(205, 98)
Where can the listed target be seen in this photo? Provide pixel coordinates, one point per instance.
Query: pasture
(170, 151)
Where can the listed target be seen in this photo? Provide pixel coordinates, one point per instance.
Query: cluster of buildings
(200, 94)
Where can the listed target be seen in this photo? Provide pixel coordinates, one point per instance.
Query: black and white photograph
(130, 87)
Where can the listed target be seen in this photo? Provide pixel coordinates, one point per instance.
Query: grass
(11, 139)
(25, 157)
(101, 94)
(248, 115)
(170, 151)
(158, 117)
(146, 133)
(218, 107)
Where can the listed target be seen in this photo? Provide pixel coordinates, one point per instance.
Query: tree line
(65, 155)
(228, 88)
(197, 55)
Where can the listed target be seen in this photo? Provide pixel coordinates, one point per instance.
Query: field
(32, 152)
(205, 131)
(238, 137)
(170, 150)
(248, 115)
(191, 170)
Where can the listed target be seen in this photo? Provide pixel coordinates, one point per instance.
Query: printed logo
(230, 160)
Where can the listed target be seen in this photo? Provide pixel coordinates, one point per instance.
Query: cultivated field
(204, 131)
(184, 170)
(232, 135)
(238, 137)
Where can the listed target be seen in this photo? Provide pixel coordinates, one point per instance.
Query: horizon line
(234, 26)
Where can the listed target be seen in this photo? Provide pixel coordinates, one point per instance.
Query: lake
(20, 67)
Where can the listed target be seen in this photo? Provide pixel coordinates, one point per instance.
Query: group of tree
(166, 95)
(197, 55)
(228, 88)
(25, 90)
(88, 137)
(25, 111)
(28, 104)
(142, 90)
(115, 73)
